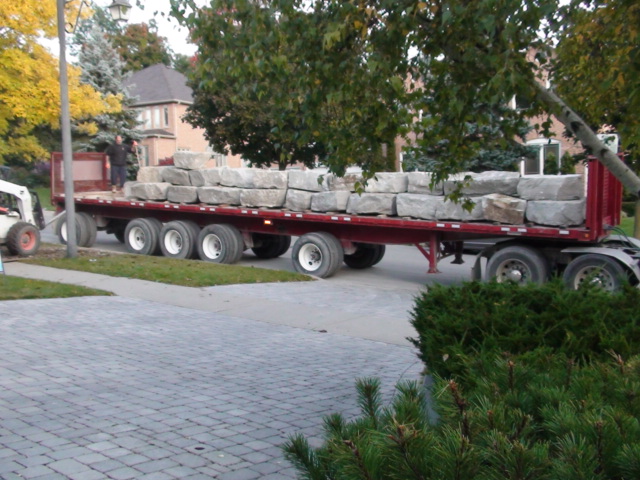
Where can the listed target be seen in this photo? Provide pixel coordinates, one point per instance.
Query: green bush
(536, 416)
(459, 326)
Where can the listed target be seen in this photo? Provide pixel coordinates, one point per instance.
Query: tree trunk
(590, 140)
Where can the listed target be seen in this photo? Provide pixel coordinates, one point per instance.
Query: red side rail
(604, 199)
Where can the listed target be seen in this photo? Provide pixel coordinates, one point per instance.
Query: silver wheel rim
(594, 275)
(137, 238)
(513, 271)
(212, 246)
(173, 242)
(310, 257)
(63, 231)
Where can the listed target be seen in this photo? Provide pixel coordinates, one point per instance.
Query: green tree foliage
(183, 63)
(140, 46)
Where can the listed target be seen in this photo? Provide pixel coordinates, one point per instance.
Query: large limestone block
(237, 177)
(556, 213)
(388, 182)
(486, 183)
(208, 177)
(268, 198)
(271, 179)
(298, 200)
(150, 174)
(504, 209)
(449, 210)
(307, 180)
(178, 194)
(372, 204)
(176, 176)
(127, 189)
(219, 195)
(346, 183)
(420, 182)
(451, 183)
(150, 191)
(191, 160)
(551, 187)
(418, 205)
(330, 201)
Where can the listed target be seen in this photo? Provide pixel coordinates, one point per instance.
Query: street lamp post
(120, 10)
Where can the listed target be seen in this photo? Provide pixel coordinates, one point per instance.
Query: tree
(29, 85)
(103, 69)
(140, 46)
(183, 63)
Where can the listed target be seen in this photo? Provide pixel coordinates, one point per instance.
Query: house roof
(158, 84)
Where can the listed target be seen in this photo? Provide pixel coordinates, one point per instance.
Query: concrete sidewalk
(163, 382)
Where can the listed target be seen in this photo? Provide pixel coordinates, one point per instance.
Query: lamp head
(120, 10)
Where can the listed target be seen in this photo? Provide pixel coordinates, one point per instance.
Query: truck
(523, 253)
(21, 219)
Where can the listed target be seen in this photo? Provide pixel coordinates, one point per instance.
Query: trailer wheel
(593, 269)
(90, 227)
(319, 254)
(220, 244)
(23, 239)
(365, 256)
(177, 239)
(270, 246)
(82, 230)
(142, 237)
(518, 264)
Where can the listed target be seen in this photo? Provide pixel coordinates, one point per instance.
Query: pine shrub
(536, 416)
(460, 327)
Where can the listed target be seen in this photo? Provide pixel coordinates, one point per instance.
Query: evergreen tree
(103, 69)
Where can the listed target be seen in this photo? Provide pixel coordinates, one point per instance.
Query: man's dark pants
(118, 175)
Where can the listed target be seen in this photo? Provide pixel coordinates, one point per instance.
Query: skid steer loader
(21, 219)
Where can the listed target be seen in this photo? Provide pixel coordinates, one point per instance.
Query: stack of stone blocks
(497, 197)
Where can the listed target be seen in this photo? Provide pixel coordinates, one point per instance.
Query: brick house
(162, 97)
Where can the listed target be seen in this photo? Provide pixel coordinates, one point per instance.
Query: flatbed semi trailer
(217, 233)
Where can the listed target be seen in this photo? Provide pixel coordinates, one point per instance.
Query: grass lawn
(15, 288)
(627, 225)
(189, 273)
(44, 194)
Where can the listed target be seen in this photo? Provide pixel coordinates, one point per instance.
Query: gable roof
(158, 84)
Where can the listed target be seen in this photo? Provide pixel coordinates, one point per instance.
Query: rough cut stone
(449, 210)
(219, 195)
(330, 201)
(150, 174)
(346, 183)
(179, 194)
(504, 209)
(387, 182)
(271, 179)
(306, 180)
(486, 183)
(551, 187)
(372, 203)
(420, 182)
(191, 160)
(417, 205)
(176, 176)
(209, 177)
(150, 191)
(237, 177)
(556, 213)
(268, 198)
(298, 200)
(127, 189)
(452, 182)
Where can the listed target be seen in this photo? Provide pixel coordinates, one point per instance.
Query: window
(156, 117)
(166, 116)
(548, 150)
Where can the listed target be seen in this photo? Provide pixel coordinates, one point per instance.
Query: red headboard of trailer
(89, 172)
(604, 198)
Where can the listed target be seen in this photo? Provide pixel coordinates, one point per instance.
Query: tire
(319, 254)
(157, 226)
(119, 234)
(220, 244)
(518, 264)
(82, 230)
(177, 240)
(381, 251)
(142, 237)
(270, 246)
(365, 256)
(91, 229)
(594, 269)
(23, 239)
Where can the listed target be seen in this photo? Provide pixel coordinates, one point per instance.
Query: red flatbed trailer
(534, 252)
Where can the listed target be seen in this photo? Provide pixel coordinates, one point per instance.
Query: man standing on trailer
(118, 153)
